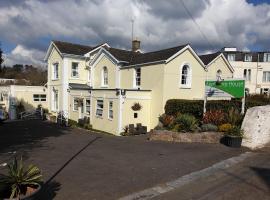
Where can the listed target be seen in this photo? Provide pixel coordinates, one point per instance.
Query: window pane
(87, 106)
(75, 104)
(138, 77)
(99, 110)
(74, 70)
(111, 110)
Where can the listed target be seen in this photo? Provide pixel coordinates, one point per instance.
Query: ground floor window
(266, 76)
(87, 106)
(100, 106)
(110, 114)
(75, 104)
(55, 100)
(39, 97)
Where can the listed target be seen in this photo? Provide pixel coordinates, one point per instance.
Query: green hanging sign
(225, 88)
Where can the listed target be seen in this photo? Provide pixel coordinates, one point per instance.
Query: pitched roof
(130, 57)
(70, 48)
(134, 58)
(207, 58)
(77, 86)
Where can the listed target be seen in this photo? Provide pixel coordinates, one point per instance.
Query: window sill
(57, 79)
(100, 117)
(104, 86)
(185, 87)
(74, 77)
(110, 119)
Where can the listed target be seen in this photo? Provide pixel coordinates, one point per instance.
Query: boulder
(256, 126)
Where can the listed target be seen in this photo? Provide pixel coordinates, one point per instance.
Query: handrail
(28, 113)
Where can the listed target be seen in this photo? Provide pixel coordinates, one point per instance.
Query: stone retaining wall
(204, 137)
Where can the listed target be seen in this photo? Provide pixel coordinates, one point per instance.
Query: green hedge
(195, 107)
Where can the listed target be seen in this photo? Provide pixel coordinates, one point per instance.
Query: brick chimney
(136, 45)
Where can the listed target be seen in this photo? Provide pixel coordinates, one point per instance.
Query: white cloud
(158, 24)
(21, 55)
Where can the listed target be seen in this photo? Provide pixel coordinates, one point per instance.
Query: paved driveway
(78, 164)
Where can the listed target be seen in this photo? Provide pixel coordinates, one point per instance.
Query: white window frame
(247, 74)
(55, 103)
(55, 73)
(73, 104)
(231, 57)
(98, 108)
(105, 77)
(266, 57)
(75, 70)
(248, 57)
(137, 80)
(89, 106)
(266, 77)
(39, 97)
(188, 76)
(110, 110)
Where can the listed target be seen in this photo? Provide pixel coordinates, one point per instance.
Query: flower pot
(32, 194)
(233, 141)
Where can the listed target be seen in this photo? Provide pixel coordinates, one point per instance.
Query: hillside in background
(24, 74)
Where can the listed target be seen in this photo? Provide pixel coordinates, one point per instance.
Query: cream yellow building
(105, 83)
(254, 67)
(30, 96)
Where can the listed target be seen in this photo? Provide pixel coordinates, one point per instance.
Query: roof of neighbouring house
(77, 86)
(207, 58)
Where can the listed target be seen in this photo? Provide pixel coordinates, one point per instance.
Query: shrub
(177, 128)
(87, 126)
(209, 127)
(72, 123)
(225, 127)
(186, 122)
(195, 107)
(235, 131)
(234, 117)
(166, 120)
(215, 117)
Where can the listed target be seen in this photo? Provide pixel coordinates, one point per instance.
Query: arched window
(185, 76)
(105, 76)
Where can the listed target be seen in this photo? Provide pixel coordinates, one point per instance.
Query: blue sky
(30, 25)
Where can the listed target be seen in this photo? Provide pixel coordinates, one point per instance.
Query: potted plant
(233, 137)
(136, 106)
(20, 183)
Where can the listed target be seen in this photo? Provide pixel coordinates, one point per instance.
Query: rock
(205, 137)
(256, 126)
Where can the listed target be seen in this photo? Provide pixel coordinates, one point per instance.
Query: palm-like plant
(19, 178)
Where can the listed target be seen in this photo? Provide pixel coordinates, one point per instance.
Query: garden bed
(170, 136)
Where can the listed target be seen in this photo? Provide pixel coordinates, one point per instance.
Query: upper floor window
(247, 74)
(55, 71)
(231, 57)
(137, 77)
(185, 76)
(219, 75)
(266, 76)
(248, 57)
(75, 70)
(266, 57)
(104, 76)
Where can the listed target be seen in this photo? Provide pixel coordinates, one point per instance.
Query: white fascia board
(48, 53)
(103, 52)
(188, 47)
(95, 49)
(225, 60)
(141, 64)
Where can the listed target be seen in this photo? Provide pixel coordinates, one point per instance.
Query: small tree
(1, 59)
